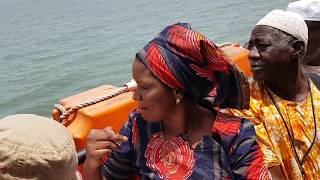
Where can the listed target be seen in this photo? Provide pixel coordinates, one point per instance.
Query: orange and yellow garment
(273, 136)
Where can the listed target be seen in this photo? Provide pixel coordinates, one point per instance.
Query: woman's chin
(148, 118)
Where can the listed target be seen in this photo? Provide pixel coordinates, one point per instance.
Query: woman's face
(155, 100)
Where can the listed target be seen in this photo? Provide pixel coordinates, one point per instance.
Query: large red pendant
(170, 158)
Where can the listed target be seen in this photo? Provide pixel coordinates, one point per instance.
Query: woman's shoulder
(238, 137)
(226, 124)
(229, 128)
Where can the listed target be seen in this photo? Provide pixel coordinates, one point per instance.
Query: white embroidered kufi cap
(289, 22)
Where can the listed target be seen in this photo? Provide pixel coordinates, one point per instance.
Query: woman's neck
(188, 119)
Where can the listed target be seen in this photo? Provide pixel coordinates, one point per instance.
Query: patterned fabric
(273, 136)
(231, 152)
(171, 158)
(188, 61)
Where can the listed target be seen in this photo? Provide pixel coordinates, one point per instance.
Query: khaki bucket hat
(35, 147)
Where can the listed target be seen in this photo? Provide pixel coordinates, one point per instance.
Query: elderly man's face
(270, 55)
(313, 48)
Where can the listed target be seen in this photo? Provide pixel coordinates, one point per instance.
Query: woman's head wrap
(189, 62)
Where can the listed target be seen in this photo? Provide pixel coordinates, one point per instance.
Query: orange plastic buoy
(113, 112)
(240, 58)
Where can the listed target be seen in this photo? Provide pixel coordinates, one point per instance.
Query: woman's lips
(141, 108)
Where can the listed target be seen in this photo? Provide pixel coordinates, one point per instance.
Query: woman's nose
(136, 96)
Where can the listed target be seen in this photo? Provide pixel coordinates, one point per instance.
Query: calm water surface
(54, 49)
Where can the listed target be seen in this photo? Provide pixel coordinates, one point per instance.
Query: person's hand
(100, 143)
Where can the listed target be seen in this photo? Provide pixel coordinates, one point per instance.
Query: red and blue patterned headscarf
(189, 62)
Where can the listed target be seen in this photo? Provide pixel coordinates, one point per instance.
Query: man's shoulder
(315, 79)
(311, 69)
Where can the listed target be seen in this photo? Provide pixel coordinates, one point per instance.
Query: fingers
(97, 135)
(105, 145)
(112, 136)
(99, 154)
(106, 134)
(101, 142)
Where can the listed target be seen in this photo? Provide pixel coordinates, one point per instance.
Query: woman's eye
(143, 87)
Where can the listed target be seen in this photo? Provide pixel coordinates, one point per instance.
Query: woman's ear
(299, 48)
(178, 95)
